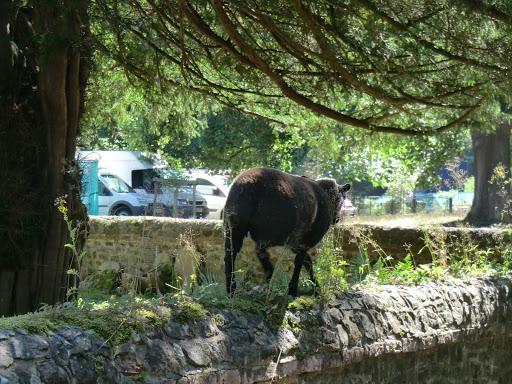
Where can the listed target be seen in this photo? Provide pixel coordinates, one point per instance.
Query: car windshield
(117, 184)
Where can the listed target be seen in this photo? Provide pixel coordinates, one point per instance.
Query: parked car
(347, 209)
(214, 188)
(165, 194)
(117, 198)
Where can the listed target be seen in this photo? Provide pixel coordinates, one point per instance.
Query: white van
(138, 171)
(117, 198)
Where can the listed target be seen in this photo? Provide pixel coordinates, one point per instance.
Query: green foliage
(329, 266)
(231, 140)
(469, 185)
(302, 303)
(110, 320)
(381, 67)
(167, 278)
(257, 302)
(400, 184)
(392, 207)
(384, 159)
(105, 281)
(501, 178)
(76, 232)
(114, 319)
(153, 90)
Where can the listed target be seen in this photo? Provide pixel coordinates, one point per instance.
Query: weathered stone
(208, 327)
(29, 347)
(52, 373)
(161, 358)
(197, 353)
(128, 361)
(353, 332)
(356, 329)
(83, 369)
(179, 331)
(6, 357)
(26, 372)
(6, 334)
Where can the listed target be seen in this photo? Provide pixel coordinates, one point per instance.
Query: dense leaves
(377, 65)
(231, 139)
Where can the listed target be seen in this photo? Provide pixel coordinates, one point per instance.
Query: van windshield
(117, 184)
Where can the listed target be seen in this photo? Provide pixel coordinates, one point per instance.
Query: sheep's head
(341, 196)
(335, 195)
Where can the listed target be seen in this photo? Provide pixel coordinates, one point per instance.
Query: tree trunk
(42, 81)
(489, 151)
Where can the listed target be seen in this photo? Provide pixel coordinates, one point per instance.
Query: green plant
(208, 288)
(330, 265)
(458, 175)
(76, 231)
(501, 178)
(361, 267)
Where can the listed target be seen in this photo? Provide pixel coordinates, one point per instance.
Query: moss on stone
(31, 323)
(302, 303)
(112, 320)
(190, 312)
(272, 311)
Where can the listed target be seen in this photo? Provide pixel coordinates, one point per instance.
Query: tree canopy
(384, 66)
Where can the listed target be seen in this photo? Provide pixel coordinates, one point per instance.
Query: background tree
(43, 71)
(490, 150)
(233, 141)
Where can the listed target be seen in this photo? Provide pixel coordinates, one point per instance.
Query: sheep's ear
(344, 188)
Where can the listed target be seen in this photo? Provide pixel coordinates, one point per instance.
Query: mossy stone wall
(455, 332)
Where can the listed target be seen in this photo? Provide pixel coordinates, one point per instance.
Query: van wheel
(122, 210)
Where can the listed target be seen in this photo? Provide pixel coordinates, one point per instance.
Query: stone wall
(385, 334)
(138, 245)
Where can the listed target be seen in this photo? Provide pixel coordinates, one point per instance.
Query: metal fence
(176, 198)
(430, 203)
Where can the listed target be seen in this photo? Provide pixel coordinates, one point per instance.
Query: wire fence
(430, 203)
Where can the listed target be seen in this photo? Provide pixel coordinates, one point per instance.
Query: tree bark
(44, 53)
(490, 149)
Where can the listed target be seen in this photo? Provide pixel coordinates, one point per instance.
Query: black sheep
(276, 208)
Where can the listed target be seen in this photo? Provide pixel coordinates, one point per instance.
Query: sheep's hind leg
(293, 287)
(264, 258)
(308, 263)
(233, 244)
